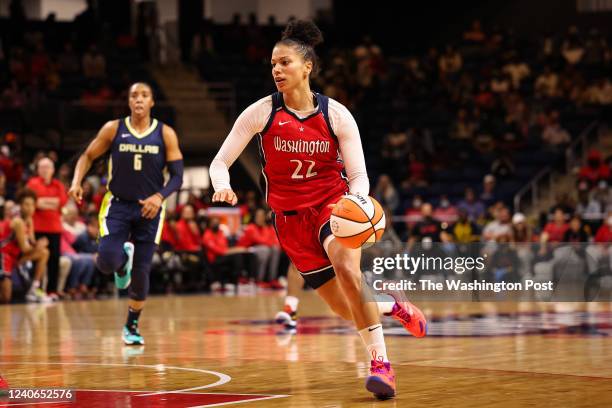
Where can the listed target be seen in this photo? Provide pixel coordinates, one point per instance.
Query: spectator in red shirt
(553, 232)
(604, 233)
(189, 247)
(226, 262)
(47, 218)
(260, 239)
(600, 252)
(446, 212)
(595, 170)
(187, 231)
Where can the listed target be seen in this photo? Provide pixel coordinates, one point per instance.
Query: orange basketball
(357, 221)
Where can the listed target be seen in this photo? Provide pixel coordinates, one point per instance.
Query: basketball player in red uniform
(307, 144)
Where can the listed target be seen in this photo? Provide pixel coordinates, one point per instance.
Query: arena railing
(542, 185)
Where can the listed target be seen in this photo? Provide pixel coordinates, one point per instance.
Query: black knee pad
(143, 256)
(109, 261)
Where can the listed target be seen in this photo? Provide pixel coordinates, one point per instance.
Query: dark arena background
(485, 127)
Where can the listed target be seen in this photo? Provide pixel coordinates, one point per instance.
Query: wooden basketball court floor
(218, 350)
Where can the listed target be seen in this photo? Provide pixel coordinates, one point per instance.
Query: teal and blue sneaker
(123, 281)
(131, 336)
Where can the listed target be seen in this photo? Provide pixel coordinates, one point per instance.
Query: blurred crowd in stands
(449, 134)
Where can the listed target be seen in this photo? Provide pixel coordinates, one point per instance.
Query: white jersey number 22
(309, 173)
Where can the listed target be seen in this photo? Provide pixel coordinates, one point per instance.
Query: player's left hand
(150, 206)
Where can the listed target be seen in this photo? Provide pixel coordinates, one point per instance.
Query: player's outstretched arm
(96, 148)
(174, 162)
(250, 122)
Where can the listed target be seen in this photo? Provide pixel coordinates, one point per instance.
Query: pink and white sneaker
(381, 381)
(409, 316)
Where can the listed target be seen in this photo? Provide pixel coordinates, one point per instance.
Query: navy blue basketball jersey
(137, 161)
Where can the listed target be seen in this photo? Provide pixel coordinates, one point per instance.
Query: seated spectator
(500, 226)
(521, 230)
(189, 247)
(488, 195)
(385, 193)
(413, 213)
(169, 237)
(588, 207)
(522, 236)
(260, 239)
(595, 170)
(546, 83)
(226, 263)
(577, 232)
(21, 248)
(417, 172)
(446, 213)
(474, 209)
(604, 233)
(504, 263)
(82, 264)
(517, 70)
(450, 62)
(603, 195)
(554, 135)
(71, 221)
(500, 83)
(553, 232)
(187, 231)
(572, 51)
(463, 128)
(465, 231)
(251, 203)
(428, 227)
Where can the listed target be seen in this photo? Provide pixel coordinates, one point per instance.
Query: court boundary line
(223, 378)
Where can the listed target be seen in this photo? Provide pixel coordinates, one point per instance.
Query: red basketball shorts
(301, 234)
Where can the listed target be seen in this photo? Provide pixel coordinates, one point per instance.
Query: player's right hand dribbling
(76, 192)
(225, 196)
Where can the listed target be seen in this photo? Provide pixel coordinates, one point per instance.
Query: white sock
(385, 303)
(35, 285)
(374, 341)
(292, 302)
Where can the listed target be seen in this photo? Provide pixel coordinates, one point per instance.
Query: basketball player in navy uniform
(132, 211)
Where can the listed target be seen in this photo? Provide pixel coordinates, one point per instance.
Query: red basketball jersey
(9, 248)
(301, 160)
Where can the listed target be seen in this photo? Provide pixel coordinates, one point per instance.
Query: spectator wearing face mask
(446, 213)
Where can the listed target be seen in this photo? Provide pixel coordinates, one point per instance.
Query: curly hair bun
(305, 32)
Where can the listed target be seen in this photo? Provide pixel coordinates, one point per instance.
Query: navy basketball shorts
(122, 220)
